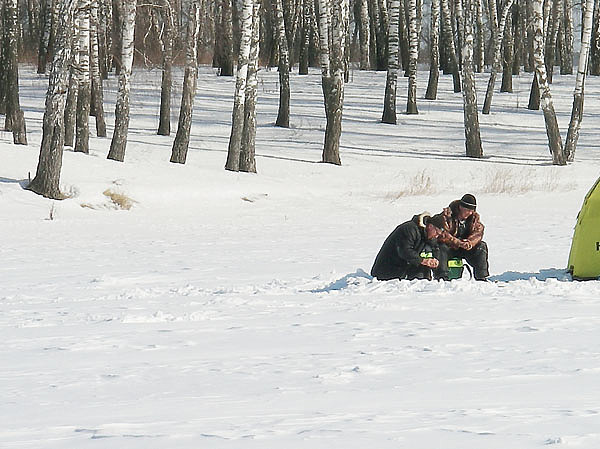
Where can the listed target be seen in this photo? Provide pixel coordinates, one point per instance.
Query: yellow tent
(584, 258)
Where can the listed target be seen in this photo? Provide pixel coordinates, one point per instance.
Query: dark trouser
(477, 257)
(409, 272)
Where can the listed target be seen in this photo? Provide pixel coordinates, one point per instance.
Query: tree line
(80, 43)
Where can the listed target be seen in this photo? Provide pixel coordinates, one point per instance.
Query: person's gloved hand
(431, 263)
(466, 245)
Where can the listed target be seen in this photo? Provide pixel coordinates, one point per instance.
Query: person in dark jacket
(463, 236)
(410, 250)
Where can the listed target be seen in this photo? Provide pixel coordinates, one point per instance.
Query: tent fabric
(584, 258)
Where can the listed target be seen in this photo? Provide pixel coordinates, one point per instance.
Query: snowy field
(230, 310)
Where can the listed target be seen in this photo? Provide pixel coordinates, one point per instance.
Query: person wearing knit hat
(411, 250)
(463, 236)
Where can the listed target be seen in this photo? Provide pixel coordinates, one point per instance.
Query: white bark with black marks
(248, 150)
(552, 130)
(182, 138)
(82, 128)
(118, 143)
(471, 117)
(413, 33)
(389, 103)
(97, 97)
(498, 30)
(239, 99)
(15, 120)
(333, 18)
(577, 110)
(164, 121)
(47, 178)
(448, 42)
(434, 44)
(364, 33)
(283, 116)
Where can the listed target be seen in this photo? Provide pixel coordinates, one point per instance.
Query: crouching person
(463, 237)
(411, 250)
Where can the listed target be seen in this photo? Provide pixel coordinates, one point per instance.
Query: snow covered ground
(231, 310)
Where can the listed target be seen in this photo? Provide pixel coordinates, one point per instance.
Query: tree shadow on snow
(559, 274)
(22, 182)
(345, 282)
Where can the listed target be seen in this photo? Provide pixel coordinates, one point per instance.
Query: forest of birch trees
(78, 44)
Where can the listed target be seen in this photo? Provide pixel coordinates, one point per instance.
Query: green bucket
(455, 268)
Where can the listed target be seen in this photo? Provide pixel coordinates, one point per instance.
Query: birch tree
(333, 17)
(577, 110)
(47, 178)
(164, 121)
(118, 143)
(247, 153)
(15, 119)
(434, 45)
(82, 128)
(45, 29)
(471, 118)
(551, 37)
(508, 56)
(283, 116)
(498, 31)
(389, 103)
(448, 43)
(364, 32)
(190, 77)
(566, 51)
(97, 92)
(239, 99)
(411, 103)
(552, 130)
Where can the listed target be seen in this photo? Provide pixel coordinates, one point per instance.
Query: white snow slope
(231, 310)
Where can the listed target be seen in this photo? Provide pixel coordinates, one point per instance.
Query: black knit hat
(438, 221)
(468, 201)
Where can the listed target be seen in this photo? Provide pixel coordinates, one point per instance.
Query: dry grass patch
(117, 200)
(523, 180)
(419, 184)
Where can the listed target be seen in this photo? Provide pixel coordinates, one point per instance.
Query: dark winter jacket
(472, 231)
(402, 249)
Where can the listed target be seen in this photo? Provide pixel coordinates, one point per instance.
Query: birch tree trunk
(551, 37)
(283, 116)
(389, 104)
(307, 20)
(434, 44)
(507, 62)
(247, 153)
(118, 143)
(239, 99)
(226, 68)
(97, 94)
(332, 27)
(594, 64)
(15, 119)
(498, 30)
(164, 122)
(471, 118)
(364, 35)
(552, 130)
(577, 110)
(480, 38)
(190, 77)
(566, 65)
(47, 178)
(449, 44)
(411, 103)
(82, 128)
(46, 19)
